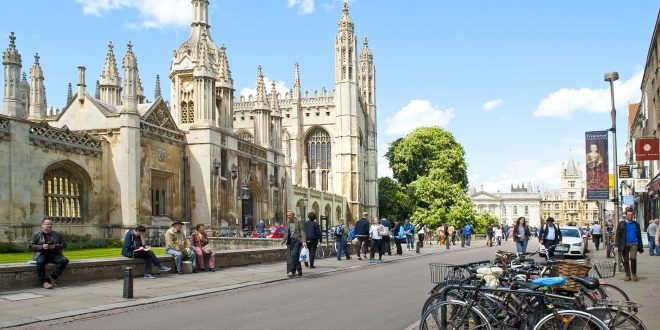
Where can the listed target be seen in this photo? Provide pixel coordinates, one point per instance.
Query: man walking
(362, 234)
(261, 226)
(341, 236)
(651, 231)
(468, 231)
(409, 230)
(295, 239)
(386, 236)
(313, 234)
(629, 242)
(550, 235)
(451, 231)
(596, 235)
(48, 245)
(176, 245)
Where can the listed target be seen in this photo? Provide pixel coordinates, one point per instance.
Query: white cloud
(417, 113)
(520, 171)
(280, 87)
(304, 6)
(566, 101)
(383, 164)
(490, 105)
(154, 13)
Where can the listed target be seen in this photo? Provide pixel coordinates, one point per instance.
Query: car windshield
(567, 232)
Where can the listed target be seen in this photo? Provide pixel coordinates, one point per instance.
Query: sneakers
(380, 261)
(149, 276)
(359, 258)
(634, 278)
(289, 274)
(52, 281)
(372, 261)
(47, 285)
(626, 278)
(213, 270)
(312, 266)
(300, 273)
(164, 269)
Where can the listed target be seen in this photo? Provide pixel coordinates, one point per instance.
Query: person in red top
(199, 241)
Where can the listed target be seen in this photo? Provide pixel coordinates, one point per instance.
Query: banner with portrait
(597, 165)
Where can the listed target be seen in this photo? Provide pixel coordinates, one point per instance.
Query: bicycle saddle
(550, 281)
(588, 282)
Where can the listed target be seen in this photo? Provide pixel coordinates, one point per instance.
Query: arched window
(63, 195)
(187, 112)
(245, 135)
(319, 156)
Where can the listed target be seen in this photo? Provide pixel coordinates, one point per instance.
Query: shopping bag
(304, 255)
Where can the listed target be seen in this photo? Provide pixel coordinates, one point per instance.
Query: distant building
(568, 204)
(521, 201)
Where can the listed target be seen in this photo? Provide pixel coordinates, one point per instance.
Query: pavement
(19, 308)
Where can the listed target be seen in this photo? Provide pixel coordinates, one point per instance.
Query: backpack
(338, 230)
(351, 234)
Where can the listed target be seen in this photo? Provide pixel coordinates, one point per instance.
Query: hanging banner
(647, 149)
(597, 167)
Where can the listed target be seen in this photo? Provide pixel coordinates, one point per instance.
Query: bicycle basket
(604, 269)
(441, 273)
(568, 268)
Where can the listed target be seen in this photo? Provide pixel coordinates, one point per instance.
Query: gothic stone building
(111, 160)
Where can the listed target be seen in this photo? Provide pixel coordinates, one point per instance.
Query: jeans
(200, 258)
(178, 258)
(43, 259)
(387, 248)
(596, 239)
(342, 247)
(468, 238)
(149, 259)
(521, 246)
(294, 249)
(630, 258)
(410, 239)
(421, 239)
(549, 243)
(399, 250)
(376, 246)
(312, 245)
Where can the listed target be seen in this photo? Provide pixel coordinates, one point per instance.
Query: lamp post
(611, 77)
(245, 196)
(304, 206)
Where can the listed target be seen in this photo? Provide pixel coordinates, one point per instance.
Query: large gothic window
(319, 157)
(63, 196)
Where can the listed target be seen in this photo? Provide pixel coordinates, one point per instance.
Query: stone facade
(106, 162)
(509, 206)
(569, 204)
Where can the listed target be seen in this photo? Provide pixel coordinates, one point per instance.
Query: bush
(80, 242)
(113, 243)
(12, 248)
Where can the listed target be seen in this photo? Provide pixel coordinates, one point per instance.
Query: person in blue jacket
(468, 231)
(134, 248)
(362, 233)
(409, 230)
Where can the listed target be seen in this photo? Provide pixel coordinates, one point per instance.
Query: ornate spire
(274, 103)
(366, 55)
(130, 61)
(131, 81)
(69, 94)
(37, 107)
(261, 101)
(11, 56)
(110, 74)
(296, 81)
(97, 93)
(345, 22)
(157, 89)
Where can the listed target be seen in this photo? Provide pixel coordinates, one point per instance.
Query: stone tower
(37, 109)
(110, 83)
(261, 114)
(12, 103)
(368, 87)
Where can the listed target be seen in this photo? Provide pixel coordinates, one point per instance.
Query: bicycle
(156, 240)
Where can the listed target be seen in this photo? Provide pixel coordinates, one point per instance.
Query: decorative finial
(345, 7)
(259, 69)
(130, 46)
(12, 39)
(36, 58)
(110, 46)
(366, 41)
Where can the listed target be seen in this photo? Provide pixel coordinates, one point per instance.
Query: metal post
(128, 282)
(611, 77)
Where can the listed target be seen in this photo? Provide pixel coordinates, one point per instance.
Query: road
(381, 296)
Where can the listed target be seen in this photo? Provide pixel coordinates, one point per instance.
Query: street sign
(625, 172)
(628, 200)
(646, 149)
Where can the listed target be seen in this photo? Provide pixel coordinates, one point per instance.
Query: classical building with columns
(520, 201)
(110, 159)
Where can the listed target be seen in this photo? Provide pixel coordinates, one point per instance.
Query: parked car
(573, 238)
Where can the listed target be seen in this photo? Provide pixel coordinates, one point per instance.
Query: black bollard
(462, 240)
(419, 244)
(128, 282)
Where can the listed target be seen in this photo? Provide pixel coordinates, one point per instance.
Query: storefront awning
(654, 185)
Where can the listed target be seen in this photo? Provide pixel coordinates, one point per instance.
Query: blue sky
(517, 82)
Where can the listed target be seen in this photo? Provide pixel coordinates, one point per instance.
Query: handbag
(383, 231)
(304, 255)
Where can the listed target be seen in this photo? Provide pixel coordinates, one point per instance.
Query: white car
(571, 237)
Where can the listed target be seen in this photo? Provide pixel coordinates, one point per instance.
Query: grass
(10, 258)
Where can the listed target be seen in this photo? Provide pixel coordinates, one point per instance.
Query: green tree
(393, 201)
(424, 150)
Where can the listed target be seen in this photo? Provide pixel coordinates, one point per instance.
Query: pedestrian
(176, 245)
(313, 235)
(489, 235)
(596, 235)
(468, 231)
(341, 236)
(447, 236)
(199, 242)
(48, 245)
(409, 228)
(294, 238)
(521, 235)
(452, 232)
(440, 234)
(362, 234)
(505, 232)
(399, 235)
(498, 235)
(261, 226)
(421, 232)
(387, 247)
(375, 233)
(133, 247)
(651, 231)
(629, 242)
(549, 236)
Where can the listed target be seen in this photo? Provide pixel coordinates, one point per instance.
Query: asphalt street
(381, 296)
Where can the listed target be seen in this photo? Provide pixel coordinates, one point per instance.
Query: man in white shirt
(596, 234)
(651, 231)
(550, 235)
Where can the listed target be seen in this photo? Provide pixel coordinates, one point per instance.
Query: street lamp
(611, 77)
(303, 203)
(245, 196)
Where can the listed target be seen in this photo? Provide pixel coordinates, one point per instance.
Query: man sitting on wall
(176, 245)
(48, 246)
(134, 248)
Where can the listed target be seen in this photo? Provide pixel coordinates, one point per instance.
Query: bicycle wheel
(611, 293)
(617, 318)
(453, 314)
(319, 253)
(570, 319)
(453, 294)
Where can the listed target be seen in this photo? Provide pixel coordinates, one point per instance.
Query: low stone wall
(19, 276)
(235, 243)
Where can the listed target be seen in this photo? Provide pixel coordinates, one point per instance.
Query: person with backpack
(362, 233)
(408, 229)
(550, 235)
(313, 235)
(629, 242)
(341, 234)
(398, 236)
(387, 248)
(468, 231)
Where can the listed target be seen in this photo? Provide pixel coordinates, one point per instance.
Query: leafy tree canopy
(394, 203)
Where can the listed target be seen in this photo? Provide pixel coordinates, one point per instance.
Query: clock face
(187, 86)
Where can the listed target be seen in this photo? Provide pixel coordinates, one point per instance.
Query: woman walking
(375, 232)
(421, 233)
(521, 234)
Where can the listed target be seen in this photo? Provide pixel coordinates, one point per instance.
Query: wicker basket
(568, 268)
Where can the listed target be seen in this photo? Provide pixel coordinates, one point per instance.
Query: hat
(177, 222)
